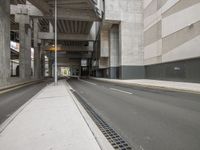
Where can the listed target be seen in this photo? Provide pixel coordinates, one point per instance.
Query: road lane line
(121, 91)
(89, 82)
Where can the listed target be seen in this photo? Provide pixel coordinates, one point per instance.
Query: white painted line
(71, 88)
(120, 91)
(89, 82)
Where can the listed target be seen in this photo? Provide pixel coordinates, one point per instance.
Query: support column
(114, 52)
(36, 50)
(42, 60)
(4, 41)
(50, 67)
(50, 28)
(42, 65)
(131, 41)
(104, 52)
(25, 46)
(28, 53)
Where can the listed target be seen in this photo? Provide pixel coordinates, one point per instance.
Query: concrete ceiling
(15, 2)
(75, 20)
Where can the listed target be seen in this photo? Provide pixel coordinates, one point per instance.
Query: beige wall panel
(182, 4)
(153, 34)
(146, 3)
(154, 60)
(153, 50)
(180, 37)
(151, 9)
(187, 50)
(168, 5)
(161, 3)
(152, 20)
(180, 20)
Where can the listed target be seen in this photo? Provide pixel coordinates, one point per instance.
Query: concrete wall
(171, 39)
(171, 30)
(114, 52)
(124, 45)
(104, 37)
(129, 14)
(184, 70)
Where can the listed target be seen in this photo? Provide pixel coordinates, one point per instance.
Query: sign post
(56, 64)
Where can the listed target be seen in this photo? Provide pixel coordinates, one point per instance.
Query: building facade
(120, 42)
(171, 39)
(156, 39)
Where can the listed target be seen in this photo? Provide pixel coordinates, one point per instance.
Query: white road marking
(121, 91)
(89, 82)
(70, 87)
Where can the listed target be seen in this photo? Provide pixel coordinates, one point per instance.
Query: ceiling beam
(28, 9)
(76, 14)
(71, 48)
(42, 5)
(62, 36)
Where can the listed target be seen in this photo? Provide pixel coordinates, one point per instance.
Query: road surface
(11, 101)
(147, 119)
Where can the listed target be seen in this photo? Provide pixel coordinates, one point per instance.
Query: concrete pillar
(114, 52)
(28, 53)
(42, 60)
(50, 67)
(42, 65)
(4, 41)
(131, 40)
(104, 49)
(129, 15)
(36, 50)
(50, 28)
(25, 47)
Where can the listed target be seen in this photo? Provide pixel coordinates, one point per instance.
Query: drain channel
(112, 136)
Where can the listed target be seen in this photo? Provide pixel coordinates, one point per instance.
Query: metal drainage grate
(115, 139)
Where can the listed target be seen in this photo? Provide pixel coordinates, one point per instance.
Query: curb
(170, 89)
(16, 86)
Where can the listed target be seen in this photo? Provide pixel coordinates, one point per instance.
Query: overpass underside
(28, 51)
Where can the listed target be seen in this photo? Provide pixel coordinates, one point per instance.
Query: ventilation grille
(112, 136)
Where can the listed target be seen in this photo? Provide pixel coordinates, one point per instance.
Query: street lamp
(56, 65)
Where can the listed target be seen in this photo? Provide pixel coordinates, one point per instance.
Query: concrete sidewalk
(158, 84)
(49, 121)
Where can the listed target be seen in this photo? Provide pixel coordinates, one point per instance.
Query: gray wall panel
(186, 70)
(132, 72)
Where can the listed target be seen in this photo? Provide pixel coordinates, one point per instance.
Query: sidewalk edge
(17, 86)
(171, 89)
(98, 135)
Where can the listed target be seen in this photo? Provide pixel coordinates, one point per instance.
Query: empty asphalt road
(13, 100)
(147, 119)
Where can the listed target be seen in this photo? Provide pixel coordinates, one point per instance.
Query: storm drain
(112, 136)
